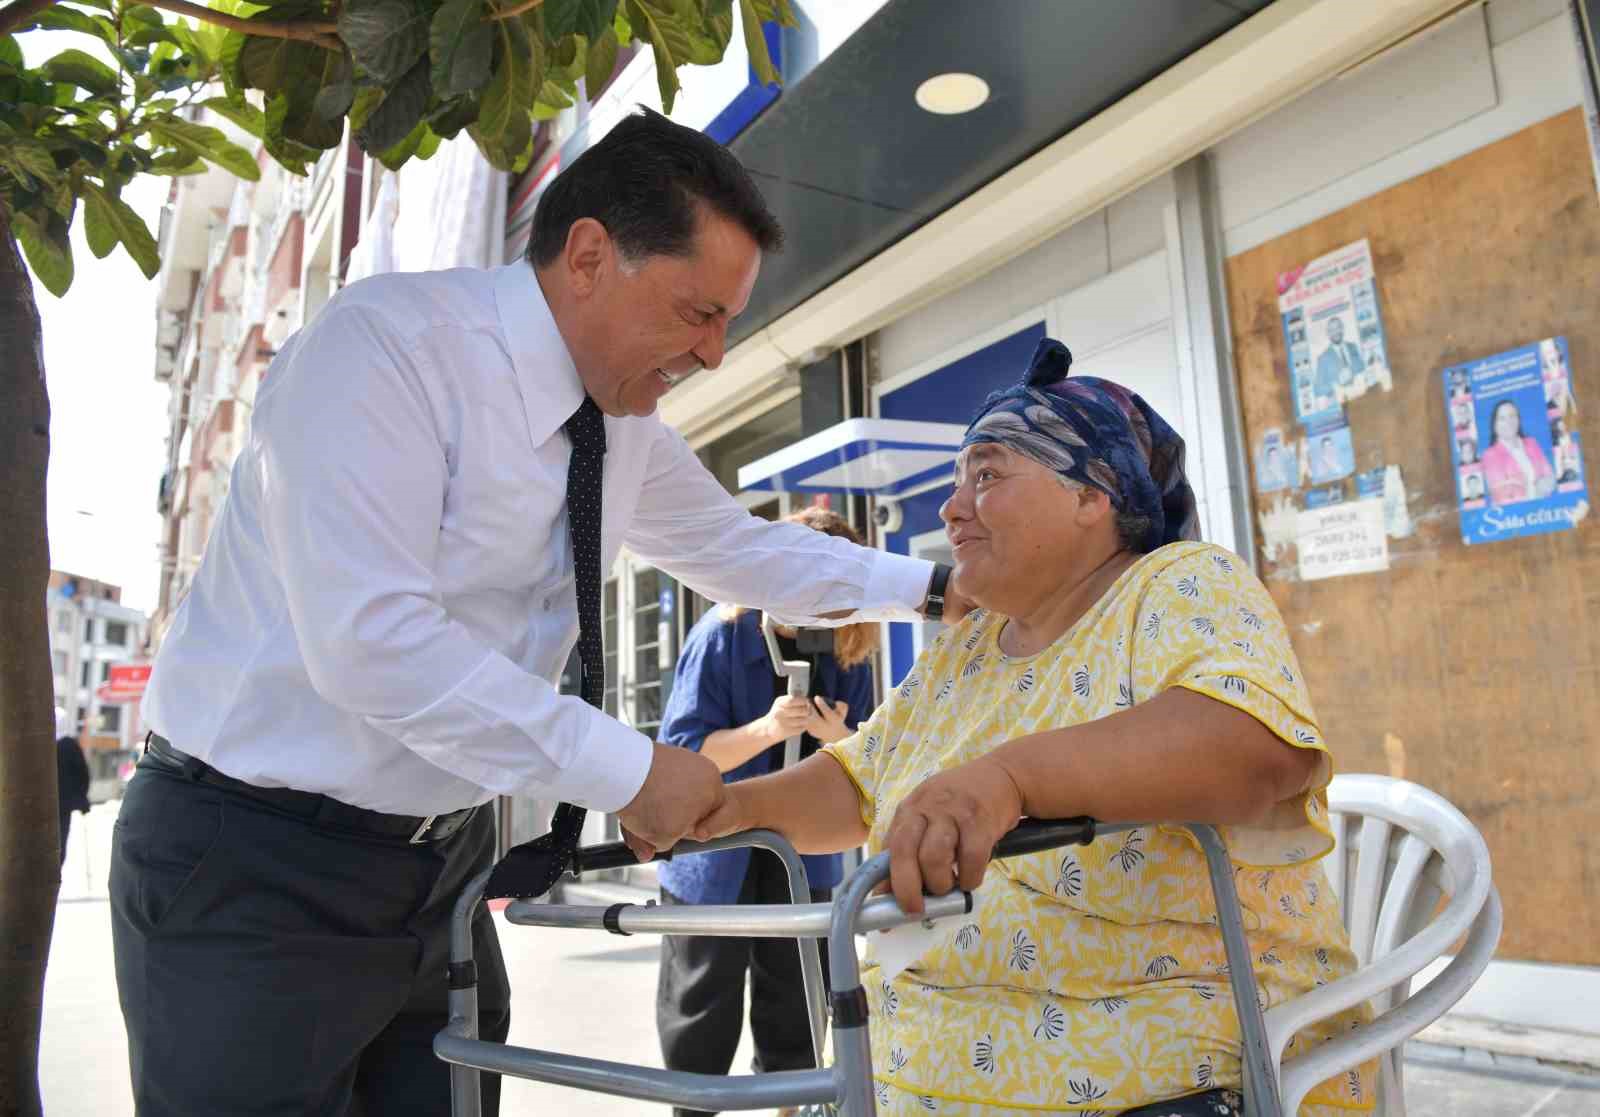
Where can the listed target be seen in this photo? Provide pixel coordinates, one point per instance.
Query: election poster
(1334, 333)
(1513, 444)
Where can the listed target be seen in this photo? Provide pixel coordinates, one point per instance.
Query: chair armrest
(1393, 1027)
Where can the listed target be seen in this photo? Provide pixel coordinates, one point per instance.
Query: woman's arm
(813, 804)
(1180, 757)
(729, 748)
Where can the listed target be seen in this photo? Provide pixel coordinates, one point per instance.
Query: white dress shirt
(387, 595)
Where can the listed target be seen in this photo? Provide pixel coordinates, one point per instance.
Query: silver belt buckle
(422, 830)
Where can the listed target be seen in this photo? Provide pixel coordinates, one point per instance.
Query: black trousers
(66, 828)
(700, 994)
(269, 966)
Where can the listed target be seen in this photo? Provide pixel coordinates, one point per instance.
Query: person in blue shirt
(728, 703)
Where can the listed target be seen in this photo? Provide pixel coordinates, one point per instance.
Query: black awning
(851, 164)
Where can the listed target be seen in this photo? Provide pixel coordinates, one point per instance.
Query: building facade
(92, 632)
(244, 265)
(1175, 188)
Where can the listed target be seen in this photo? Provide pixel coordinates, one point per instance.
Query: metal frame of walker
(847, 1084)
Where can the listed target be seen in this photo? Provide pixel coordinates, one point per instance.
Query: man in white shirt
(366, 655)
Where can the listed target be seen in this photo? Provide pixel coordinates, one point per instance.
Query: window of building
(111, 720)
(105, 670)
(83, 675)
(88, 630)
(64, 622)
(116, 633)
(61, 663)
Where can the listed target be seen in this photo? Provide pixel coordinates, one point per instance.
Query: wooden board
(1473, 670)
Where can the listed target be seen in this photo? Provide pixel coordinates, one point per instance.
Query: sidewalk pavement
(593, 994)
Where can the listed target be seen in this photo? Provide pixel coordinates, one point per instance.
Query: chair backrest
(1400, 849)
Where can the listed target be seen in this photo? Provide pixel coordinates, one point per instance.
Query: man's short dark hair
(645, 181)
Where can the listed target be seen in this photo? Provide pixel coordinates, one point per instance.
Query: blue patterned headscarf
(1096, 433)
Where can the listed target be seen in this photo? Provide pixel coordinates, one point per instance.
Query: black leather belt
(319, 809)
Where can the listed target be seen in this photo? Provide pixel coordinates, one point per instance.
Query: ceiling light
(949, 94)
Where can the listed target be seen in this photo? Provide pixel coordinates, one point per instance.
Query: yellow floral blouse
(1092, 979)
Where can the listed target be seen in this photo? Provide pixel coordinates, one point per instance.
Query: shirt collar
(551, 386)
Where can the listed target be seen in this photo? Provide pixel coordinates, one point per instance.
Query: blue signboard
(1518, 464)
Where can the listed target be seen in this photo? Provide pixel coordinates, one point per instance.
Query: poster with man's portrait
(1334, 332)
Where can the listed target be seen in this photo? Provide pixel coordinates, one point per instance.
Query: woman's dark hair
(645, 182)
(1494, 421)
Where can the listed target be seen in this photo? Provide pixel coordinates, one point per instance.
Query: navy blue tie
(530, 869)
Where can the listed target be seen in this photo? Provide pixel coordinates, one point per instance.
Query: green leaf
(430, 143)
(368, 98)
(119, 222)
(83, 70)
(447, 120)
(462, 44)
(666, 66)
(59, 17)
(135, 14)
(278, 64)
(755, 41)
(386, 36)
(10, 52)
(25, 155)
(240, 111)
(207, 143)
(553, 95)
(588, 18)
(517, 73)
(602, 63)
(291, 154)
(336, 92)
(176, 163)
(50, 258)
(401, 111)
(402, 152)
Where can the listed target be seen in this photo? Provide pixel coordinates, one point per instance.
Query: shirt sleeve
(352, 480)
(687, 524)
(1207, 624)
(702, 698)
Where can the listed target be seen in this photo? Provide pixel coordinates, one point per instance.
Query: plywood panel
(1475, 670)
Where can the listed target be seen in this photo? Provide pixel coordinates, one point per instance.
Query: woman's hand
(730, 817)
(944, 832)
(787, 718)
(826, 722)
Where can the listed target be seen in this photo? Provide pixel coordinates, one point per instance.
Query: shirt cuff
(897, 586)
(608, 771)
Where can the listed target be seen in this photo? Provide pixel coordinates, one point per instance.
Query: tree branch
(515, 10)
(321, 33)
(15, 15)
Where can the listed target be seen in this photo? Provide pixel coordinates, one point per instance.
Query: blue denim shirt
(724, 680)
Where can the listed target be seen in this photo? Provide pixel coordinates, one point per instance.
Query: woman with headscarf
(1115, 668)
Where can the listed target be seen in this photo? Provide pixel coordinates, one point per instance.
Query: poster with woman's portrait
(1518, 466)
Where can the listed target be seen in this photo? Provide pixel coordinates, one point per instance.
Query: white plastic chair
(1400, 848)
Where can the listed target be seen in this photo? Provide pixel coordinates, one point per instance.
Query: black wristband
(933, 607)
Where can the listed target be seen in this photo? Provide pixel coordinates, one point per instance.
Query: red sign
(125, 683)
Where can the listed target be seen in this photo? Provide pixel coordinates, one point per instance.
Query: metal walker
(847, 1084)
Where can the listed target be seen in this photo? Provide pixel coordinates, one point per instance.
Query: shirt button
(547, 605)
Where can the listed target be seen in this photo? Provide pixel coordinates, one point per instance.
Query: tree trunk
(29, 826)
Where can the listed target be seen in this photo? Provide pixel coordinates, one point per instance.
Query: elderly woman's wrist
(1005, 788)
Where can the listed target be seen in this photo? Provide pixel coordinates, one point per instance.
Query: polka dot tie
(530, 869)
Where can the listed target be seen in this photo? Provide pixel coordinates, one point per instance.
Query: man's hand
(681, 789)
(944, 831)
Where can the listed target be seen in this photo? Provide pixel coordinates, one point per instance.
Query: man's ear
(587, 256)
